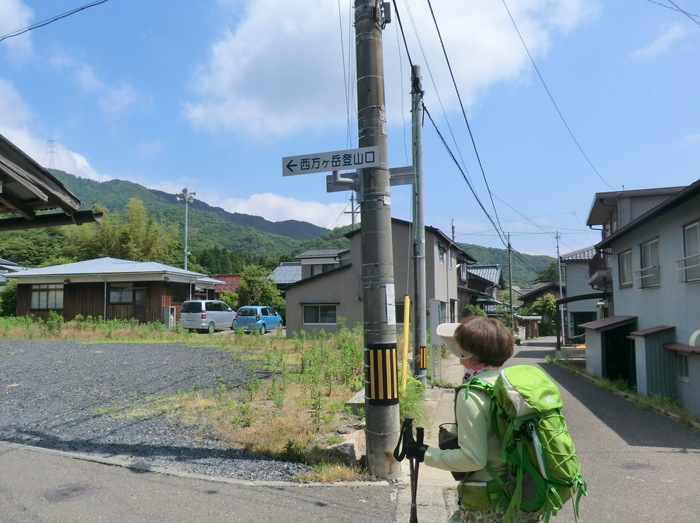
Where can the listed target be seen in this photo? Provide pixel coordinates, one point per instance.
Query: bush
(8, 298)
(472, 310)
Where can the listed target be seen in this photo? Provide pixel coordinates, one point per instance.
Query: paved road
(640, 466)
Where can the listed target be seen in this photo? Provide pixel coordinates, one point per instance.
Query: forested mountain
(218, 238)
(525, 266)
(209, 226)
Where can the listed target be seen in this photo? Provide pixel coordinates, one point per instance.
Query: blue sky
(211, 95)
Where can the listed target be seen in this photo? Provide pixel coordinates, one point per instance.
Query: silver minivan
(206, 315)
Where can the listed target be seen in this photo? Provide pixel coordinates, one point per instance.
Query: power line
(51, 20)
(686, 13)
(551, 98)
(471, 188)
(464, 114)
(675, 7)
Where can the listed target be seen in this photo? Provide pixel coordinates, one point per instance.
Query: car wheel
(212, 328)
(263, 330)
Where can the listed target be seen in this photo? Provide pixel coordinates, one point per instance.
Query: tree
(550, 274)
(545, 306)
(136, 236)
(257, 289)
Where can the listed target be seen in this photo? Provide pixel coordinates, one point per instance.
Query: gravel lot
(51, 390)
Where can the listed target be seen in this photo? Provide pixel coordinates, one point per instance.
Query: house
(652, 336)
(231, 282)
(482, 283)
(110, 288)
(331, 283)
(285, 274)
(528, 297)
(7, 266)
(581, 303)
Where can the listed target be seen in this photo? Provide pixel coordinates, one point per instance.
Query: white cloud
(14, 15)
(667, 37)
(282, 74)
(691, 139)
(112, 101)
(15, 113)
(275, 207)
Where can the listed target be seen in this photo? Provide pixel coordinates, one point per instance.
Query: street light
(188, 198)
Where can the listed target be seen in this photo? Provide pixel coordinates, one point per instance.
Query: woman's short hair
(486, 338)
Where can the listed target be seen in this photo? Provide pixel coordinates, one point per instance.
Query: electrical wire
(551, 98)
(471, 188)
(686, 13)
(50, 20)
(675, 7)
(462, 170)
(464, 113)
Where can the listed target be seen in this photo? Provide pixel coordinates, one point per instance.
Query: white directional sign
(333, 161)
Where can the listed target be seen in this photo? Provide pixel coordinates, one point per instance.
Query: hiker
(482, 346)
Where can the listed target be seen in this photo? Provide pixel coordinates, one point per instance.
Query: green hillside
(253, 235)
(525, 266)
(209, 226)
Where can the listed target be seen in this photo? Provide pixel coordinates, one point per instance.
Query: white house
(652, 337)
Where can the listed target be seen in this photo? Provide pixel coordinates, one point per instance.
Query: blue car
(257, 318)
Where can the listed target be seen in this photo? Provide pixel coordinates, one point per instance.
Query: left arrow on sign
(290, 165)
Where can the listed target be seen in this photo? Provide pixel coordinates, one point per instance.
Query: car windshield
(246, 312)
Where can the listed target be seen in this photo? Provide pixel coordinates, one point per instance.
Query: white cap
(446, 331)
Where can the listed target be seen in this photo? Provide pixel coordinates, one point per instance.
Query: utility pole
(561, 297)
(510, 283)
(378, 301)
(188, 198)
(420, 355)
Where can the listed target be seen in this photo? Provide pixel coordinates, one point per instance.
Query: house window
(649, 272)
(624, 268)
(441, 254)
(47, 296)
(449, 259)
(320, 268)
(682, 362)
(691, 248)
(121, 293)
(320, 314)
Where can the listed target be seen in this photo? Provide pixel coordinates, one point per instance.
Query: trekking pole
(414, 464)
(405, 437)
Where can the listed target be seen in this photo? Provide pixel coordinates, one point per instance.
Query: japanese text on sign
(330, 161)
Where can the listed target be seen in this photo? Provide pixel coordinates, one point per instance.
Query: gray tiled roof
(287, 272)
(490, 273)
(585, 254)
(322, 253)
(112, 267)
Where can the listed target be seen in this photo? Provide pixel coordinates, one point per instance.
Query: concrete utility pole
(188, 198)
(510, 283)
(378, 305)
(420, 356)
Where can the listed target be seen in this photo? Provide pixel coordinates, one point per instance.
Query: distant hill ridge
(213, 226)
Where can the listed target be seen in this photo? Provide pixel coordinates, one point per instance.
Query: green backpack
(543, 469)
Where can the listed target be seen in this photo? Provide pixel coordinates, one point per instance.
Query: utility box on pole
(381, 367)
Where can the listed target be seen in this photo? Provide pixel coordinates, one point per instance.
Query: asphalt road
(639, 465)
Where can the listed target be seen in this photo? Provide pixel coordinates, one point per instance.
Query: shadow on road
(638, 427)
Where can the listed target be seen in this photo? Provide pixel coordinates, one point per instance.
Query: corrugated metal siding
(661, 365)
